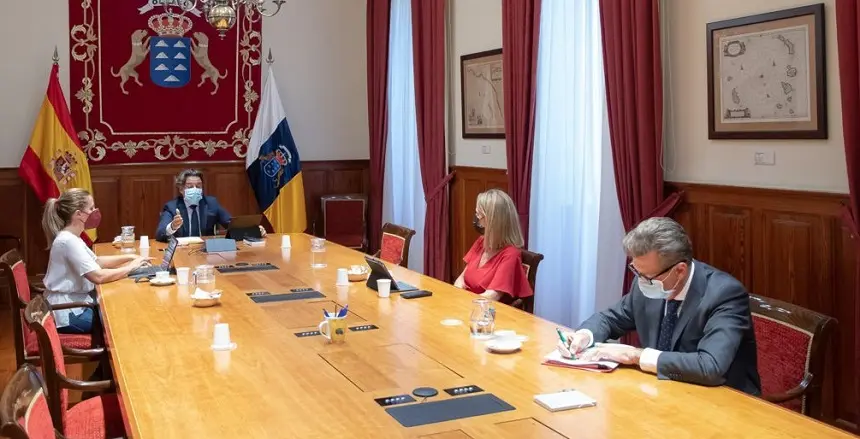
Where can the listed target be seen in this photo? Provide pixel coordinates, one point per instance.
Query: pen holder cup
(333, 329)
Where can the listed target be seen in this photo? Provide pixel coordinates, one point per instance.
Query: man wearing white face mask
(191, 213)
(692, 319)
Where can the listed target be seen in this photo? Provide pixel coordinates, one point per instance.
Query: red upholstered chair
(531, 260)
(344, 220)
(791, 342)
(96, 417)
(14, 271)
(24, 412)
(395, 244)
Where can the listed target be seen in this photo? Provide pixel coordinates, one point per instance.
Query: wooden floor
(7, 348)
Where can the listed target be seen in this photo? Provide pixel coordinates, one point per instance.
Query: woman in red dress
(494, 267)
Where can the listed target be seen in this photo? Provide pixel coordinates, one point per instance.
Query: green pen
(564, 341)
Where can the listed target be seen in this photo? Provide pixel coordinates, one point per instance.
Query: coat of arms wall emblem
(156, 83)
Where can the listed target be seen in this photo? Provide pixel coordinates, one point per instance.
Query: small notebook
(554, 358)
(564, 400)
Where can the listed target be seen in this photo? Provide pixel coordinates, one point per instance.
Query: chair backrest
(14, 271)
(531, 260)
(395, 244)
(791, 343)
(344, 219)
(41, 320)
(24, 412)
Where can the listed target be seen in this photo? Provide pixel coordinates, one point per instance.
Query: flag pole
(270, 60)
(56, 56)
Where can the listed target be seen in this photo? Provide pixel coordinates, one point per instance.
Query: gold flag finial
(56, 56)
(270, 60)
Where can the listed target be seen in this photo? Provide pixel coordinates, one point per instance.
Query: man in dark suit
(191, 213)
(693, 319)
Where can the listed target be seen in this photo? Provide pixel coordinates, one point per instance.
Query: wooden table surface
(277, 385)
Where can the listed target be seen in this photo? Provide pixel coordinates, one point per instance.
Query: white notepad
(189, 240)
(564, 400)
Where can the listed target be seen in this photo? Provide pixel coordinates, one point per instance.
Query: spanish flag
(54, 161)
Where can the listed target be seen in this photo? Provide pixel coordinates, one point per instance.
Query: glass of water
(203, 278)
(318, 253)
(127, 238)
(483, 319)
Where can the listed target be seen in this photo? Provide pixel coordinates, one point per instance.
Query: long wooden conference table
(276, 384)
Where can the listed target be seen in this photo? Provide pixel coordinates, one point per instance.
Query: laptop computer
(165, 263)
(244, 226)
(378, 270)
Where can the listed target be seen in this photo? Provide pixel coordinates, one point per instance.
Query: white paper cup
(144, 252)
(342, 277)
(285, 241)
(162, 275)
(144, 241)
(383, 287)
(221, 337)
(182, 275)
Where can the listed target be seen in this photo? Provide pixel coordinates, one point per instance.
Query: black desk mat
(268, 298)
(263, 266)
(448, 410)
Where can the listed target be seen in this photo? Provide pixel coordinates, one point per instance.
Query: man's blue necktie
(667, 325)
(195, 222)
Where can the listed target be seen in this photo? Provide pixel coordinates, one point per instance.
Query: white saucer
(228, 347)
(158, 283)
(451, 322)
(504, 347)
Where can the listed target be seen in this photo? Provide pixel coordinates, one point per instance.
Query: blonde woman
(494, 267)
(73, 269)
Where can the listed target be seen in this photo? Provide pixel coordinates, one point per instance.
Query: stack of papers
(189, 240)
(555, 359)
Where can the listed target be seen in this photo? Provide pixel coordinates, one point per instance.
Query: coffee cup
(162, 276)
(221, 338)
(342, 277)
(144, 241)
(285, 241)
(383, 287)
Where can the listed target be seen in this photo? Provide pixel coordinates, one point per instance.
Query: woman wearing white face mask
(192, 213)
(73, 269)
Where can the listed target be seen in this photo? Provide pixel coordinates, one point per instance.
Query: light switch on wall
(485, 149)
(765, 158)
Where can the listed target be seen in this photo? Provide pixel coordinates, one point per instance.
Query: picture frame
(767, 76)
(482, 101)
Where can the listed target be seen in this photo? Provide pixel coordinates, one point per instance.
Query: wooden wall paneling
(135, 195)
(468, 182)
(788, 245)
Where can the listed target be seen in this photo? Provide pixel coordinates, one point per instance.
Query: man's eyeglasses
(650, 280)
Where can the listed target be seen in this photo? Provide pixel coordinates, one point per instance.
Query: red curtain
(378, 23)
(634, 97)
(428, 53)
(520, 34)
(848, 41)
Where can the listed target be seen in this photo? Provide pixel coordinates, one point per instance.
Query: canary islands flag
(273, 165)
(54, 161)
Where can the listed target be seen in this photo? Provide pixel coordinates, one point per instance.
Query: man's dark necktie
(195, 222)
(667, 325)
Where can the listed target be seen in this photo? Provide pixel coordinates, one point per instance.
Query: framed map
(766, 76)
(482, 94)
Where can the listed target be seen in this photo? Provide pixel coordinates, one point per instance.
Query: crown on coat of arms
(170, 25)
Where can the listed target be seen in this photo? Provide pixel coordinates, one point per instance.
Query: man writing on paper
(192, 213)
(693, 319)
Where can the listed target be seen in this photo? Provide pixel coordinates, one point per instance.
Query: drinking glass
(318, 253)
(482, 318)
(127, 238)
(203, 278)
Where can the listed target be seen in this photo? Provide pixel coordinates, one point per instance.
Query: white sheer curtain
(575, 218)
(403, 195)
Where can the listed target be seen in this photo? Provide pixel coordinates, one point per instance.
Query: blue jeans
(79, 324)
